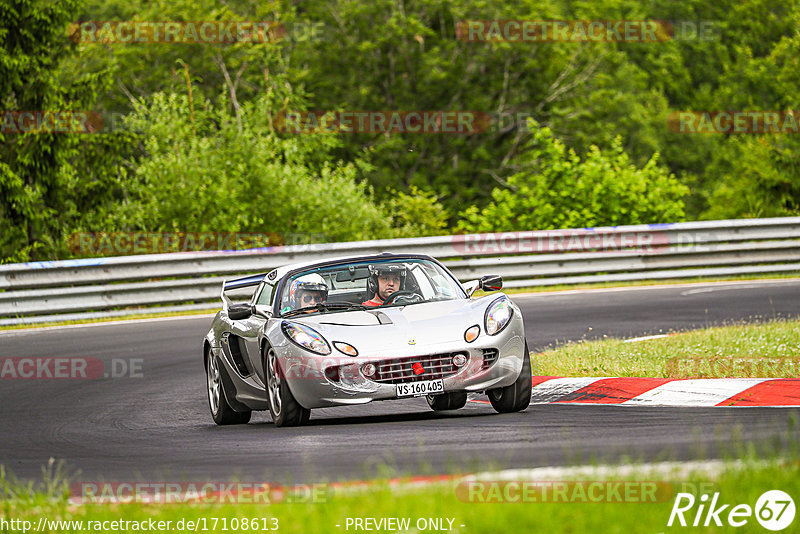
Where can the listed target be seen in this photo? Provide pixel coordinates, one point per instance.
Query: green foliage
(416, 214)
(587, 94)
(558, 189)
(48, 181)
(757, 178)
(201, 170)
(605, 105)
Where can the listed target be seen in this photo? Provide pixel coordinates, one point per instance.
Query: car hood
(413, 329)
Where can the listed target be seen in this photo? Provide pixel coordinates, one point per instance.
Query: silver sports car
(360, 329)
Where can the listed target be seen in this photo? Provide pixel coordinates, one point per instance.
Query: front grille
(489, 357)
(400, 370)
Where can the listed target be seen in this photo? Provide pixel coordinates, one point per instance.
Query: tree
(416, 214)
(558, 189)
(48, 181)
(205, 168)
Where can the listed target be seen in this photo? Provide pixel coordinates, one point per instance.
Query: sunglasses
(308, 299)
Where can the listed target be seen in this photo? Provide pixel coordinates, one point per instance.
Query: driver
(385, 279)
(308, 290)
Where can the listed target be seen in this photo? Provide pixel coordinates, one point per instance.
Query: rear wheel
(447, 401)
(285, 410)
(221, 411)
(517, 396)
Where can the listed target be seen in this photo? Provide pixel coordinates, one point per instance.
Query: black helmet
(383, 269)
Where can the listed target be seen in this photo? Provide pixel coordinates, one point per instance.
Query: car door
(240, 342)
(262, 299)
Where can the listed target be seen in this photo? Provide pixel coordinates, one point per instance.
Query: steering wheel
(415, 297)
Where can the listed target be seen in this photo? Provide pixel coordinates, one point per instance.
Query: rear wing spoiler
(247, 281)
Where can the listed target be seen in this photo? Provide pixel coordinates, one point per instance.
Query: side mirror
(491, 282)
(262, 310)
(471, 287)
(237, 312)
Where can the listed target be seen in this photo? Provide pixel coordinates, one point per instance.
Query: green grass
(737, 483)
(745, 350)
(637, 283)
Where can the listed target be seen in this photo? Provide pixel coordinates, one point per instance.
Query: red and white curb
(775, 392)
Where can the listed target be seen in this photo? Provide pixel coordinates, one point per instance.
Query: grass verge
(587, 502)
(769, 350)
(652, 282)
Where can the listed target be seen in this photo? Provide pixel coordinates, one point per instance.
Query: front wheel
(517, 396)
(447, 401)
(285, 410)
(221, 411)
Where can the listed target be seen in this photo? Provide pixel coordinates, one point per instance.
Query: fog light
(472, 333)
(368, 370)
(351, 379)
(459, 360)
(332, 374)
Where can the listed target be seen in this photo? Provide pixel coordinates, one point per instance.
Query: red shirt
(372, 303)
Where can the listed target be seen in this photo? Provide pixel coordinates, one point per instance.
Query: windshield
(365, 285)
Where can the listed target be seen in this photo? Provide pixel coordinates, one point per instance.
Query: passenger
(307, 291)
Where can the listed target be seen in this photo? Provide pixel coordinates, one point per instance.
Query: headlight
(498, 315)
(306, 337)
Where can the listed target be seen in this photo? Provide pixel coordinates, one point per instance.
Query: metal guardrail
(116, 286)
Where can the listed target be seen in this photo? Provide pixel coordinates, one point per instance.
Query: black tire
(283, 407)
(517, 396)
(447, 401)
(221, 411)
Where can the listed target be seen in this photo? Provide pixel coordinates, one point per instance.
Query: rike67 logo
(774, 510)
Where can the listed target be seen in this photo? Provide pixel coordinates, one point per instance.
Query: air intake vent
(489, 357)
(235, 350)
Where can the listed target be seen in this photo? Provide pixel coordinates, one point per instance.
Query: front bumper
(305, 373)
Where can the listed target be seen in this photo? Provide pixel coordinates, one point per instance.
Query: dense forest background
(583, 141)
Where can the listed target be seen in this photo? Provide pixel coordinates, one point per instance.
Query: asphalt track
(157, 427)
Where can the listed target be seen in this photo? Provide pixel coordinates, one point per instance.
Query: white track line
(695, 392)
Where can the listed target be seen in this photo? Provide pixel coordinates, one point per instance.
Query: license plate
(415, 389)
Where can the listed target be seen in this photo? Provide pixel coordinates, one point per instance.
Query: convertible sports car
(360, 329)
